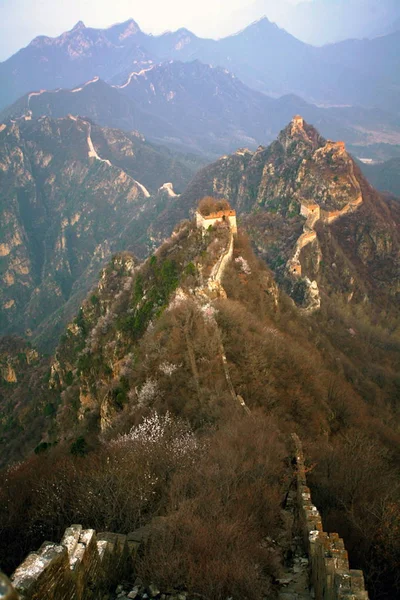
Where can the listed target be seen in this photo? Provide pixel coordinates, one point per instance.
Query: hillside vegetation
(206, 355)
(70, 190)
(150, 340)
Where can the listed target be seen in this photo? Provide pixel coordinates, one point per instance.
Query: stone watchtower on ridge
(298, 121)
(212, 211)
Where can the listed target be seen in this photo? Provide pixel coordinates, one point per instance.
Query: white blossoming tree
(164, 432)
(243, 264)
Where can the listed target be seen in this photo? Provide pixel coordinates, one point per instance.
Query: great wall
(330, 573)
(83, 565)
(212, 289)
(87, 566)
(314, 214)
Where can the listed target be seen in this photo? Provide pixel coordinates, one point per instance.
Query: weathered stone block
(45, 574)
(357, 581)
(330, 572)
(70, 538)
(90, 580)
(81, 568)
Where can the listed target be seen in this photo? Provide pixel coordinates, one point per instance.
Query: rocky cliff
(307, 205)
(69, 191)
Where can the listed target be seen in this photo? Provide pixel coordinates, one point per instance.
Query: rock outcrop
(303, 176)
(83, 565)
(69, 192)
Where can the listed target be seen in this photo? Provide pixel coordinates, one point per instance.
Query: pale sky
(22, 20)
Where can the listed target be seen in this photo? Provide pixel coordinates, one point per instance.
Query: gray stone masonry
(331, 575)
(83, 566)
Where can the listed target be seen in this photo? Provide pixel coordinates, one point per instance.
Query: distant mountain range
(193, 106)
(384, 176)
(75, 56)
(263, 56)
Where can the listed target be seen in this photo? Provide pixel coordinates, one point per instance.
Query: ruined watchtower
(229, 216)
(298, 121)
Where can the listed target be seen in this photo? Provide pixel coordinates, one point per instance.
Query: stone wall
(310, 209)
(85, 565)
(218, 269)
(210, 220)
(82, 567)
(331, 216)
(331, 575)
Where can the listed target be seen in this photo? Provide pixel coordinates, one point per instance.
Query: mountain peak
(130, 22)
(263, 23)
(125, 29)
(184, 31)
(298, 122)
(80, 25)
(298, 129)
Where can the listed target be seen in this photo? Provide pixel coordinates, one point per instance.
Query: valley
(65, 208)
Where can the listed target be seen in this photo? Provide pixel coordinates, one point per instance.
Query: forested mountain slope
(65, 207)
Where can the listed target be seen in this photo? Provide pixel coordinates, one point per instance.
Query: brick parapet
(331, 575)
(84, 566)
(229, 216)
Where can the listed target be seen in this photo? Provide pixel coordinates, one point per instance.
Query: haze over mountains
(263, 56)
(328, 21)
(200, 108)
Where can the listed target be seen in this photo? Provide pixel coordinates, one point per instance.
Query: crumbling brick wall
(331, 575)
(82, 567)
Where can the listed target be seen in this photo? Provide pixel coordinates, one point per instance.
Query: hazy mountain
(263, 56)
(208, 106)
(270, 60)
(321, 22)
(200, 108)
(326, 21)
(69, 191)
(384, 176)
(75, 56)
(105, 104)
